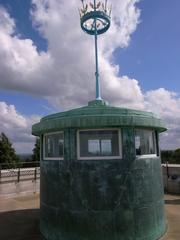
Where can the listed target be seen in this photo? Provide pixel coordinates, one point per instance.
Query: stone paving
(13, 188)
(172, 204)
(19, 217)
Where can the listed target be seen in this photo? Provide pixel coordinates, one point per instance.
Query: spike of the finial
(91, 5)
(98, 5)
(79, 12)
(110, 10)
(105, 5)
(82, 3)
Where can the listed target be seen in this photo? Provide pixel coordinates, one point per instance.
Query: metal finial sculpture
(95, 20)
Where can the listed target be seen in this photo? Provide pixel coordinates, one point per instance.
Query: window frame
(152, 155)
(102, 157)
(44, 148)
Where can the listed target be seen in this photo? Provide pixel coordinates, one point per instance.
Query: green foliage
(171, 156)
(176, 156)
(7, 153)
(36, 151)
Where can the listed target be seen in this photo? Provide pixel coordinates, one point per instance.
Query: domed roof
(98, 114)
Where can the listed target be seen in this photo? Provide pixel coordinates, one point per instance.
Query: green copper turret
(100, 165)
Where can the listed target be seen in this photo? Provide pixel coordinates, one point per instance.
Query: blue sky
(19, 10)
(146, 49)
(153, 55)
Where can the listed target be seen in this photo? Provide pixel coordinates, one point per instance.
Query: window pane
(106, 148)
(54, 144)
(99, 143)
(145, 142)
(94, 147)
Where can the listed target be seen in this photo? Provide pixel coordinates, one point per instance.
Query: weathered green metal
(119, 199)
(98, 114)
(95, 22)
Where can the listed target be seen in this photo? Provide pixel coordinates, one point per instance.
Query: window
(99, 144)
(145, 142)
(53, 146)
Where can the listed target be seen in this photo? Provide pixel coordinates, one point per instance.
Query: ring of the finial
(95, 15)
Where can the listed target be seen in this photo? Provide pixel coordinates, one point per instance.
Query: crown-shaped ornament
(93, 12)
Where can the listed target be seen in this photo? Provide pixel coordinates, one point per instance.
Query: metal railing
(22, 171)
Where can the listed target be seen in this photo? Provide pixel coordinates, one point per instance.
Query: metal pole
(167, 175)
(98, 93)
(35, 174)
(18, 176)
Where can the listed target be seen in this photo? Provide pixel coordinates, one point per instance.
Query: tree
(166, 156)
(36, 151)
(7, 153)
(176, 156)
(171, 156)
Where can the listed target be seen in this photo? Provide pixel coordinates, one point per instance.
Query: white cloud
(7, 24)
(64, 74)
(17, 127)
(166, 104)
(21, 66)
